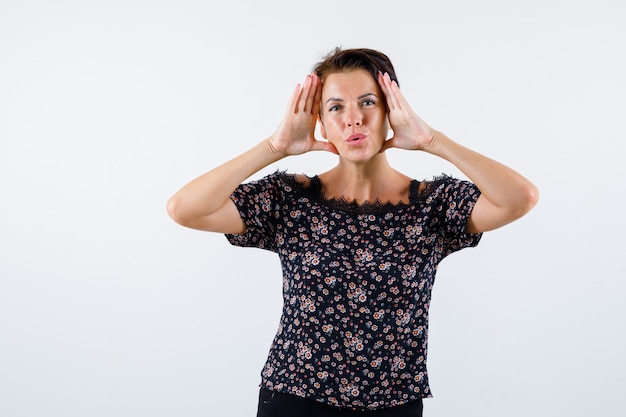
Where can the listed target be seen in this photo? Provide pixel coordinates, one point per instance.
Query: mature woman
(359, 244)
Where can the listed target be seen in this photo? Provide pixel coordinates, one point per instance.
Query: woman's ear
(322, 129)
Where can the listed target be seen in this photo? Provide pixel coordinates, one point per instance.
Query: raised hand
(409, 131)
(296, 132)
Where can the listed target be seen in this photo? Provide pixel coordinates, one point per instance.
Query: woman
(359, 244)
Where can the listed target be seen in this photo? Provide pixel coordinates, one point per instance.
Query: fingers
(296, 131)
(391, 90)
(317, 99)
(304, 93)
(384, 86)
(308, 96)
(292, 106)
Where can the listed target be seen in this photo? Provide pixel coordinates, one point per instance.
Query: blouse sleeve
(257, 202)
(457, 198)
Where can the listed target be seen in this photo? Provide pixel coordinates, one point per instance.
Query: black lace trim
(313, 191)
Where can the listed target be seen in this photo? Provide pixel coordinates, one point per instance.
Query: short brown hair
(340, 60)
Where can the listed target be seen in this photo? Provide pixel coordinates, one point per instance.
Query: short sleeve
(257, 202)
(457, 198)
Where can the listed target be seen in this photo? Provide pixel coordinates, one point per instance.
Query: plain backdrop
(108, 308)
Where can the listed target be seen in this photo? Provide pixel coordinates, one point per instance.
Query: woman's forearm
(509, 193)
(210, 191)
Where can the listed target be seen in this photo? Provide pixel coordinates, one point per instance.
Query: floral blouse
(357, 282)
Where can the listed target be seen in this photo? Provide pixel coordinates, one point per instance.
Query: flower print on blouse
(357, 282)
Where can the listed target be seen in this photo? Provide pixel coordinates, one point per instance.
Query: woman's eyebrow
(333, 99)
(362, 96)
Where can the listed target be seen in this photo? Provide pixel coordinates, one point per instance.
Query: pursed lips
(356, 138)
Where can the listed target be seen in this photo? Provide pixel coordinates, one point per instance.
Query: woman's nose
(354, 118)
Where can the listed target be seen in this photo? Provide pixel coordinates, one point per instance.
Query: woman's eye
(368, 103)
(333, 108)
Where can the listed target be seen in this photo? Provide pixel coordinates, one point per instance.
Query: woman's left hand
(409, 131)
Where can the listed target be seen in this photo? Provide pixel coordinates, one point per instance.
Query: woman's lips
(356, 139)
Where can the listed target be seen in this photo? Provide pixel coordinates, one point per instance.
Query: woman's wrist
(437, 143)
(274, 153)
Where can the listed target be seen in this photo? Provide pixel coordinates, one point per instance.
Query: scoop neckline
(313, 190)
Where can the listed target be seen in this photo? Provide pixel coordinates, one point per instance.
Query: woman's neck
(373, 181)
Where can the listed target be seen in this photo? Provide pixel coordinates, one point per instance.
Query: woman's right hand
(296, 132)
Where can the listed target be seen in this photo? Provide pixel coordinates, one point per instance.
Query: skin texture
(356, 114)
(353, 103)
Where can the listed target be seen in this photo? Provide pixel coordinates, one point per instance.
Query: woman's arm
(505, 194)
(205, 203)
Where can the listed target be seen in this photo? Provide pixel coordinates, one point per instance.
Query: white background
(108, 308)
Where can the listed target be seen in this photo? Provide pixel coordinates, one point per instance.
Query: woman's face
(353, 114)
